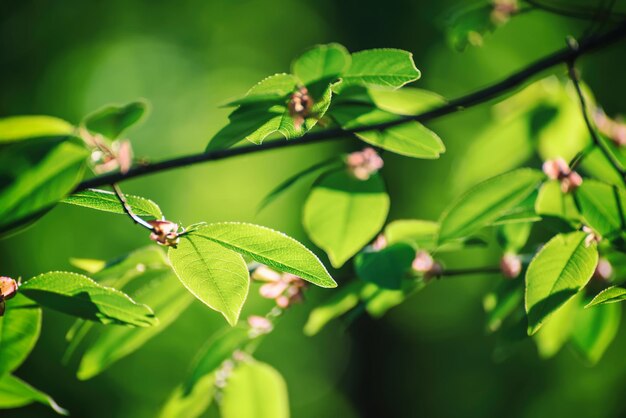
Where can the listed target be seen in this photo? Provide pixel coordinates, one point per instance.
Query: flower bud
(592, 236)
(363, 164)
(558, 169)
(503, 10)
(511, 265)
(8, 288)
(300, 105)
(260, 325)
(379, 243)
(425, 264)
(604, 270)
(164, 233)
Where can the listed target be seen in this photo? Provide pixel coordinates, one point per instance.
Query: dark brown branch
(455, 105)
(584, 109)
(589, 14)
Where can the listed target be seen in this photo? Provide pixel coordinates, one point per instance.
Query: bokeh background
(427, 358)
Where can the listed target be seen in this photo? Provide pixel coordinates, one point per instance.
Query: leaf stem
(456, 105)
(128, 209)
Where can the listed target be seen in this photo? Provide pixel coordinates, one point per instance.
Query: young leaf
(551, 201)
(512, 237)
(469, 24)
(594, 330)
(386, 267)
(611, 294)
(502, 302)
(557, 330)
(15, 393)
(108, 202)
(342, 301)
(407, 101)
(411, 139)
(420, 233)
(282, 187)
(342, 214)
(255, 390)
(268, 247)
(271, 89)
(602, 206)
(192, 404)
(557, 273)
(322, 62)
(216, 275)
(78, 295)
(35, 175)
(19, 331)
(219, 348)
(165, 296)
(19, 128)
(381, 67)
(113, 120)
(486, 202)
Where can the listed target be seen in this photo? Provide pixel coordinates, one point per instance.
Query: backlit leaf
(108, 202)
(113, 120)
(19, 331)
(15, 393)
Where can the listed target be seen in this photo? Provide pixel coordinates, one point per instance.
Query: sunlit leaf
(594, 330)
(386, 267)
(342, 214)
(342, 301)
(268, 247)
(421, 233)
(19, 331)
(192, 404)
(381, 67)
(15, 393)
(214, 274)
(502, 302)
(80, 296)
(557, 329)
(106, 201)
(271, 89)
(486, 202)
(611, 294)
(557, 273)
(601, 206)
(322, 62)
(551, 201)
(18, 128)
(255, 390)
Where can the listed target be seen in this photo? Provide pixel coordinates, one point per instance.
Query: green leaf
(255, 390)
(322, 62)
(268, 247)
(328, 165)
(78, 295)
(551, 201)
(411, 139)
(214, 274)
(469, 25)
(420, 233)
(559, 271)
(387, 267)
(408, 101)
(342, 214)
(512, 237)
(219, 348)
(108, 202)
(558, 329)
(343, 300)
(35, 175)
(486, 202)
(168, 299)
(192, 404)
(271, 89)
(594, 330)
(378, 301)
(19, 128)
(19, 331)
(602, 206)
(502, 302)
(113, 120)
(381, 67)
(88, 265)
(269, 119)
(611, 294)
(15, 393)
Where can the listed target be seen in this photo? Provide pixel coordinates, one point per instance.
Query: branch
(584, 109)
(593, 15)
(453, 106)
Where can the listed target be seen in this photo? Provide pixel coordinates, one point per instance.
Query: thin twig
(592, 15)
(453, 106)
(597, 141)
(128, 209)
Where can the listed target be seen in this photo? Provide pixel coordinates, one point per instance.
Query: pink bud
(266, 274)
(273, 290)
(124, 155)
(260, 324)
(604, 270)
(282, 302)
(422, 262)
(379, 243)
(592, 236)
(365, 163)
(8, 287)
(164, 233)
(571, 182)
(511, 265)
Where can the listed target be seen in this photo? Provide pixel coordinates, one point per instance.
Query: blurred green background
(427, 358)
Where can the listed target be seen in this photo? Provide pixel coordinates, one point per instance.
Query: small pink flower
(164, 233)
(425, 264)
(300, 105)
(260, 324)
(613, 129)
(273, 290)
(604, 270)
(511, 265)
(379, 243)
(592, 236)
(284, 288)
(558, 169)
(503, 10)
(8, 289)
(363, 164)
